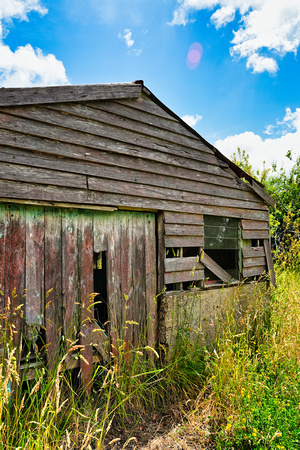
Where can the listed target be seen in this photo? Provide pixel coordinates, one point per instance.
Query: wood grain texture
(179, 218)
(254, 225)
(150, 272)
(255, 234)
(3, 223)
(253, 271)
(184, 241)
(184, 230)
(53, 283)
(34, 269)
(161, 251)
(86, 286)
(208, 262)
(258, 261)
(14, 283)
(53, 94)
(253, 252)
(178, 264)
(269, 259)
(179, 277)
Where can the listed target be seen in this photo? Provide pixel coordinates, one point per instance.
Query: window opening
(180, 253)
(222, 243)
(100, 286)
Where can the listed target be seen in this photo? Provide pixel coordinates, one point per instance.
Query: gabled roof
(111, 91)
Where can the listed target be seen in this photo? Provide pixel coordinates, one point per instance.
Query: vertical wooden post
(53, 284)
(150, 259)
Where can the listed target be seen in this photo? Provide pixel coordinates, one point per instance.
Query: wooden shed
(104, 189)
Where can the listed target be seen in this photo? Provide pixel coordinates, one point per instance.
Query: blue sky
(230, 68)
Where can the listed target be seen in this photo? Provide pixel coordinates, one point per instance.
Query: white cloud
(26, 66)
(127, 36)
(266, 26)
(270, 149)
(191, 120)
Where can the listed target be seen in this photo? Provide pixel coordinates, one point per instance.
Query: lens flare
(194, 55)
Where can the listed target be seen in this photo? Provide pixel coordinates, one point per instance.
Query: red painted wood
(86, 282)
(15, 264)
(53, 282)
(34, 302)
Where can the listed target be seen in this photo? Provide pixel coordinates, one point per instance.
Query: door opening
(100, 286)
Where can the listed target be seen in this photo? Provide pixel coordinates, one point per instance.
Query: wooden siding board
(37, 120)
(17, 172)
(183, 264)
(253, 271)
(53, 282)
(3, 224)
(253, 252)
(184, 241)
(34, 301)
(181, 218)
(255, 234)
(70, 281)
(86, 284)
(150, 260)
(254, 225)
(26, 191)
(59, 175)
(161, 251)
(184, 230)
(258, 261)
(167, 122)
(15, 263)
(116, 154)
(180, 277)
(53, 94)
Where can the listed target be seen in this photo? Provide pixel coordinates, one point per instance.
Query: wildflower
(228, 426)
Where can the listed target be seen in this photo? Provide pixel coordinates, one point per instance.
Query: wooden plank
(208, 262)
(53, 94)
(3, 223)
(253, 271)
(139, 313)
(53, 282)
(262, 193)
(144, 104)
(144, 190)
(78, 146)
(255, 234)
(102, 224)
(49, 123)
(269, 259)
(150, 260)
(14, 282)
(254, 225)
(34, 301)
(86, 285)
(184, 241)
(184, 230)
(24, 191)
(180, 277)
(253, 252)
(161, 251)
(183, 264)
(250, 262)
(95, 118)
(70, 278)
(114, 281)
(127, 276)
(17, 172)
(180, 218)
(163, 121)
(61, 176)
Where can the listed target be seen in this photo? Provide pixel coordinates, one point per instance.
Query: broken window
(222, 249)
(183, 268)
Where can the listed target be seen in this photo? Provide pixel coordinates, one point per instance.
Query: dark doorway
(100, 286)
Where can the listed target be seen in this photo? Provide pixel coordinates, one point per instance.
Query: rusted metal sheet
(53, 283)
(34, 302)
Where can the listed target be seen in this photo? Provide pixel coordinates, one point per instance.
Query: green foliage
(242, 159)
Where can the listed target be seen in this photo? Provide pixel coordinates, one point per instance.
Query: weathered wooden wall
(45, 249)
(127, 153)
